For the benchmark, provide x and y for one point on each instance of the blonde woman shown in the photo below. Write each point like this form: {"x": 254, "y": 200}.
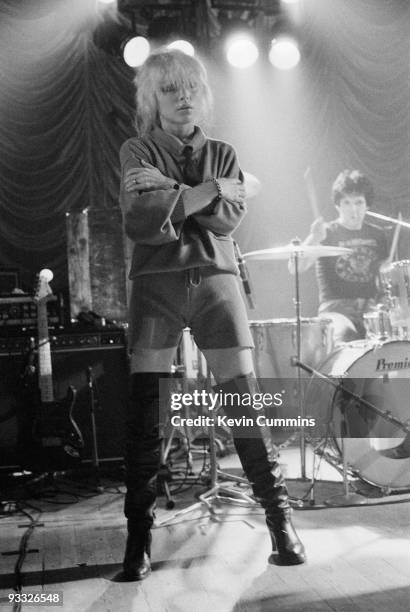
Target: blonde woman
{"x": 182, "y": 196}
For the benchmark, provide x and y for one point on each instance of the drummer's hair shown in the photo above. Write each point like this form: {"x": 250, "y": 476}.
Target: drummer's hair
{"x": 352, "y": 181}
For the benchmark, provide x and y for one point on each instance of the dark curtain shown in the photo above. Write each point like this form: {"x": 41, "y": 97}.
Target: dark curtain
{"x": 65, "y": 108}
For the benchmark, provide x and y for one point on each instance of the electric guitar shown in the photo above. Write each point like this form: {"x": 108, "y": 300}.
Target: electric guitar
{"x": 55, "y": 432}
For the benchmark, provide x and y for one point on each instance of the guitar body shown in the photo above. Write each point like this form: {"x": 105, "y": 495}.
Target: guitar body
{"x": 56, "y": 436}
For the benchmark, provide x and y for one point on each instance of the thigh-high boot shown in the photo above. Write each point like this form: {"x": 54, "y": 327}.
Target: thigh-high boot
{"x": 142, "y": 458}
{"x": 259, "y": 459}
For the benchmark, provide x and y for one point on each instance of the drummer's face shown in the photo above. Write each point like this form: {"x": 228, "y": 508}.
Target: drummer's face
{"x": 352, "y": 210}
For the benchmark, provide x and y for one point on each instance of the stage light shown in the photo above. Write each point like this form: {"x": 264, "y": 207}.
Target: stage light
{"x": 107, "y": 1}
{"x": 241, "y": 51}
{"x": 284, "y": 53}
{"x": 135, "y": 51}
{"x": 182, "y": 45}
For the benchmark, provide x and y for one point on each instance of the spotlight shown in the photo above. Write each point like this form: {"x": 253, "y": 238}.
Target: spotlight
{"x": 135, "y": 51}
{"x": 182, "y": 45}
{"x": 284, "y": 53}
{"x": 241, "y": 51}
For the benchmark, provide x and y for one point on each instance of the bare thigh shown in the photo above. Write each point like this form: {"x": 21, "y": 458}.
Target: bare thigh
{"x": 152, "y": 360}
{"x": 224, "y": 364}
{"x": 229, "y": 363}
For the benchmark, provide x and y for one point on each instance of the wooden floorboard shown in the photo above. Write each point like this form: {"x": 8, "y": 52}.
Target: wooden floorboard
{"x": 358, "y": 557}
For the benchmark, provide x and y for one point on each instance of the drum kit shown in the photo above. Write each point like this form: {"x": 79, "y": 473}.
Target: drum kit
{"x": 358, "y": 391}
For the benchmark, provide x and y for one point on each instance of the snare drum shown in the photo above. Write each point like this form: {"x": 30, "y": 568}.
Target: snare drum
{"x": 397, "y": 281}
{"x": 380, "y": 374}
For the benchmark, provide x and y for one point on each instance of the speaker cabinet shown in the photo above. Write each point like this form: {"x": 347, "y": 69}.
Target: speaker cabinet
{"x": 108, "y": 369}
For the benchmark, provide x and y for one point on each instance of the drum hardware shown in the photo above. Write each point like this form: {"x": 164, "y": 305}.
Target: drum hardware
{"x": 216, "y": 492}
{"x": 166, "y": 474}
{"x": 374, "y": 458}
{"x": 295, "y": 260}
{"x": 395, "y": 278}
{"x": 294, "y": 251}
{"x": 384, "y": 414}
{"x": 396, "y": 281}
{"x": 377, "y": 324}
{"x": 348, "y": 498}
{"x": 297, "y": 249}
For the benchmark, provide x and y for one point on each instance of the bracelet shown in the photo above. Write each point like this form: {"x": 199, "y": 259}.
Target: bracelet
{"x": 218, "y": 188}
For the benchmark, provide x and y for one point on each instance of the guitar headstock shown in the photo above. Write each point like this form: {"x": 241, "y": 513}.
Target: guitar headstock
{"x": 43, "y": 289}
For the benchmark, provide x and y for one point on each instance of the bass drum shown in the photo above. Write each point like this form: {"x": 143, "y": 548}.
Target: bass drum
{"x": 377, "y": 450}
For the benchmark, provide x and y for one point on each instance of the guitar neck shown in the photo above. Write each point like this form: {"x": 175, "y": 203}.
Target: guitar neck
{"x": 45, "y": 373}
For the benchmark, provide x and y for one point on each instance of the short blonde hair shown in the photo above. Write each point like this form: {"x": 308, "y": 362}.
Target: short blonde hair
{"x": 165, "y": 67}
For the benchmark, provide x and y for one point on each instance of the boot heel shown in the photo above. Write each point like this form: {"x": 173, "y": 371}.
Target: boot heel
{"x": 285, "y": 541}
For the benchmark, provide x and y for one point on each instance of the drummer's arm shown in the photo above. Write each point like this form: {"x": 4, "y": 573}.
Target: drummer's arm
{"x": 317, "y": 235}
{"x": 386, "y": 256}
{"x": 384, "y": 265}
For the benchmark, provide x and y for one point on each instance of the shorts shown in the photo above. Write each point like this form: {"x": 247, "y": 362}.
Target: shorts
{"x": 204, "y": 299}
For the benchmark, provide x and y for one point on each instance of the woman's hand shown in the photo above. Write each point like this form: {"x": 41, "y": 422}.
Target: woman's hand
{"x": 232, "y": 189}
{"x": 147, "y": 178}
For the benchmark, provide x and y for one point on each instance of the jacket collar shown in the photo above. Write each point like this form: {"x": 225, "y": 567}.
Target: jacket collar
{"x": 173, "y": 145}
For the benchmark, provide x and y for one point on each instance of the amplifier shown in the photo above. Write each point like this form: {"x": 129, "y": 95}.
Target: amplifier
{"x": 21, "y": 310}
{"x": 109, "y": 368}
{"x": 64, "y": 340}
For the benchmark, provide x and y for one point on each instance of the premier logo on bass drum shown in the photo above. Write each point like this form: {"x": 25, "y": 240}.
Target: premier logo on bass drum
{"x": 383, "y": 365}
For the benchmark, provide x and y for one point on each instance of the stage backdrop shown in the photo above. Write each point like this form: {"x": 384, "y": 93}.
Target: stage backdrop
{"x": 66, "y": 106}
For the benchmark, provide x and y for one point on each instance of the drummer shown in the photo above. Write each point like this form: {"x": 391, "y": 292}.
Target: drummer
{"x": 348, "y": 284}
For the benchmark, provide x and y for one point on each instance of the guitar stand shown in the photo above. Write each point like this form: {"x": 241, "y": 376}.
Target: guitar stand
{"x": 92, "y": 403}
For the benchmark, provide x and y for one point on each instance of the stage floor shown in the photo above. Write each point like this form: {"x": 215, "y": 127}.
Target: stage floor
{"x": 358, "y": 557}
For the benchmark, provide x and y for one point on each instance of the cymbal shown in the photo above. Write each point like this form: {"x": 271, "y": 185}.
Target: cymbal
{"x": 309, "y": 250}
{"x": 252, "y": 185}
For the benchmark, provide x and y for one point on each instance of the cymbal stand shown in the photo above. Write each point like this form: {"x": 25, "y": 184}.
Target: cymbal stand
{"x": 296, "y": 361}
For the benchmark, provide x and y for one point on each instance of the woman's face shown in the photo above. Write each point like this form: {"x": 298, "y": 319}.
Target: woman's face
{"x": 178, "y": 106}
